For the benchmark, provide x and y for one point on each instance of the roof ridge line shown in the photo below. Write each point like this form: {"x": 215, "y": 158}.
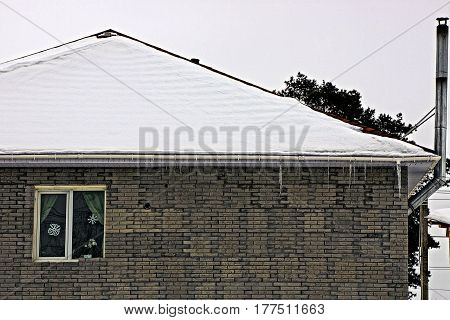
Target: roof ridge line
{"x": 55, "y": 47}
{"x": 151, "y": 46}
{"x": 190, "y": 61}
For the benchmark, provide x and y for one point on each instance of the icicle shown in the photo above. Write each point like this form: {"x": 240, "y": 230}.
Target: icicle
{"x": 355, "y": 181}
{"x": 280, "y": 177}
{"x": 399, "y": 179}
{"x": 350, "y": 175}
{"x": 328, "y": 173}
{"x": 365, "y": 171}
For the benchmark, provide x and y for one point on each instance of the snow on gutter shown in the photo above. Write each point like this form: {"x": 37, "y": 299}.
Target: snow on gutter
{"x": 87, "y": 157}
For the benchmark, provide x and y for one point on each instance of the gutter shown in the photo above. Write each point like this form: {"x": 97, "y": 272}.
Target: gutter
{"x": 112, "y": 157}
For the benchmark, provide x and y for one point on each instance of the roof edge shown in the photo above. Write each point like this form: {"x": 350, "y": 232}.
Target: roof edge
{"x": 218, "y": 156}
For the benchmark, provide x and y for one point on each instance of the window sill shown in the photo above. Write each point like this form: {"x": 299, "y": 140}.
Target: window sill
{"x": 90, "y": 259}
{"x": 81, "y": 259}
{"x": 54, "y": 260}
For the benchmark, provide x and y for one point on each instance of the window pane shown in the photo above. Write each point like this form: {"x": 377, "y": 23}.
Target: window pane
{"x": 88, "y": 216}
{"x": 52, "y": 236}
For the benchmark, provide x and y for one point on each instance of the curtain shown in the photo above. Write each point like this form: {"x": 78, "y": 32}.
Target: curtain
{"x": 47, "y": 203}
{"x": 96, "y": 203}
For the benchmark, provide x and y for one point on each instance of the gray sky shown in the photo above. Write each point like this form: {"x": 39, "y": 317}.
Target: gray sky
{"x": 263, "y": 41}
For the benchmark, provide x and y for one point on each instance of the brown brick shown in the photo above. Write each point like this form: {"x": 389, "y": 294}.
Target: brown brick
{"x": 218, "y": 233}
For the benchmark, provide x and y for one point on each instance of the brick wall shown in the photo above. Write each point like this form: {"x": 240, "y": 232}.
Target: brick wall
{"x": 218, "y": 234}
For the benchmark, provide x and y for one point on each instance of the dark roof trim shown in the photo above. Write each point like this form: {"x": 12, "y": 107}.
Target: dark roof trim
{"x": 189, "y": 60}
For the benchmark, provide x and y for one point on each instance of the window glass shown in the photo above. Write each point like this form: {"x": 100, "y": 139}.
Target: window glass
{"x": 52, "y": 236}
{"x": 88, "y": 220}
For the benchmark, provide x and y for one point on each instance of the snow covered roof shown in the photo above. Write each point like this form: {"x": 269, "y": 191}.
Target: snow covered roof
{"x": 119, "y": 95}
{"x": 440, "y": 215}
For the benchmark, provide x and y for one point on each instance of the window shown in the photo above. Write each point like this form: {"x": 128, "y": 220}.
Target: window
{"x": 69, "y": 223}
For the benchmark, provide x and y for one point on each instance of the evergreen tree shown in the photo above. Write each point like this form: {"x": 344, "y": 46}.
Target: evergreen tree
{"x": 346, "y": 105}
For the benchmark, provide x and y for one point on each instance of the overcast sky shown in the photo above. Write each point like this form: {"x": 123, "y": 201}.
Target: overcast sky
{"x": 262, "y": 41}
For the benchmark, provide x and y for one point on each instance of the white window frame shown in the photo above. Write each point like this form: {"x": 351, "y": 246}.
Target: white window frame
{"x": 68, "y": 191}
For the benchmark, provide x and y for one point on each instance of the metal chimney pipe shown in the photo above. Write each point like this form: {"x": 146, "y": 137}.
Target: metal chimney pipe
{"x": 440, "y": 136}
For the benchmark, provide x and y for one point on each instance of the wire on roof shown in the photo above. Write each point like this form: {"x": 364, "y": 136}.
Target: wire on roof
{"x": 424, "y": 119}
{"x": 440, "y": 289}
{"x": 51, "y": 48}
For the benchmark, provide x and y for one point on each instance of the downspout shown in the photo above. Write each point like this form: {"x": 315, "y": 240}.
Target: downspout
{"x": 440, "y": 134}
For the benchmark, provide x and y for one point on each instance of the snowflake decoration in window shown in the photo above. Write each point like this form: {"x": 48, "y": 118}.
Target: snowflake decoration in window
{"x": 54, "y": 229}
{"x": 93, "y": 219}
